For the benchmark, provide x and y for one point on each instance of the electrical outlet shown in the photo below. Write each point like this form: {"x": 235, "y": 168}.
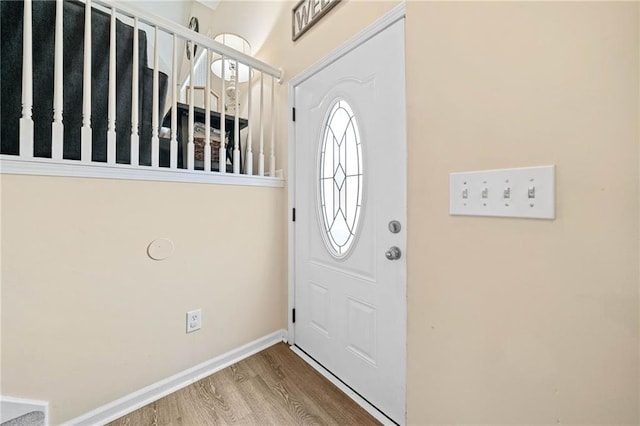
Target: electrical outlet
{"x": 194, "y": 320}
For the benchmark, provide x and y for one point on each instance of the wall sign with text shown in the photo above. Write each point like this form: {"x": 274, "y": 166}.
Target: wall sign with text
{"x": 307, "y": 13}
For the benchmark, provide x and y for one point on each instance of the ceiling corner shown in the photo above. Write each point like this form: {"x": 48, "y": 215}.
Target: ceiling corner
{"x": 211, "y": 4}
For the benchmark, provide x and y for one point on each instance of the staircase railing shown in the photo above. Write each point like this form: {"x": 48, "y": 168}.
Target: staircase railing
{"x": 267, "y": 75}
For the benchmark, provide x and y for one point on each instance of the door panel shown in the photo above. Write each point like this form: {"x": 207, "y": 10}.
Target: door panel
{"x": 351, "y": 305}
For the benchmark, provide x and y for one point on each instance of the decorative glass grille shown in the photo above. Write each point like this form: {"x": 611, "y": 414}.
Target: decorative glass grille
{"x": 340, "y": 178}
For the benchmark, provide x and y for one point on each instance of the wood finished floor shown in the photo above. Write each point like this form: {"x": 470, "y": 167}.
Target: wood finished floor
{"x": 272, "y": 387}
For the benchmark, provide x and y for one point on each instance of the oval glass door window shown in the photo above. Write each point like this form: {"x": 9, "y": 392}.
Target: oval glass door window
{"x": 340, "y": 179}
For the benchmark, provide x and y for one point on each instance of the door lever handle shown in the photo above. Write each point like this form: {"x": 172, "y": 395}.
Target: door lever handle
{"x": 393, "y": 253}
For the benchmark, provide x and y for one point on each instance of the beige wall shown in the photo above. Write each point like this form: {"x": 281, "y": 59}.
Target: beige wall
{"x": 74, "y": 257}
{"x": 524, "y": 321}
{"x": 87, "y": 317}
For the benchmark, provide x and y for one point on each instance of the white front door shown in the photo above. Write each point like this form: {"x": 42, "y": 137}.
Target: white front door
{"x": 350, "y": 203}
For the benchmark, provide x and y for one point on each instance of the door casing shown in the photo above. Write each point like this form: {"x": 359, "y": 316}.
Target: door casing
{"x": 396, "y": 14}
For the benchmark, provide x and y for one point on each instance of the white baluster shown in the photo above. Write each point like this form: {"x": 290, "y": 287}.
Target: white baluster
{"x": 85, "y": 135}
{"x": 26, "y": 120}
{"x": 190, "y": 150}
{"x": 173, "y": 150}
{"x": 222, "y": 152}
{"x": 155, "y": 119}
{"x": 272, "y": 157}
{"x": 249, "y": 160}
{"x": 236, "y": 128}
{"x": 57, "y": 128}
{"x": 261, "y": 155}
{"x": 111, "y": 116}
{"x": 207, "y": 112}
{"x": 135, "y": 137}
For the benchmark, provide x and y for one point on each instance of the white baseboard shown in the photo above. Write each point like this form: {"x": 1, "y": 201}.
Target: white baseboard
{"x": 377, "y": 414}
{"x": 10, "y": 408}
{"x": 151, "y": 393}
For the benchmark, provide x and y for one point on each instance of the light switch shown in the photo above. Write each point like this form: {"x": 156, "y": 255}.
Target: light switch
{"x": 523, "y": 192}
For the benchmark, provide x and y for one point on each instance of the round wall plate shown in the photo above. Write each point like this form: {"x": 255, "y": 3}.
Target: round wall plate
{"x": 160, "y": 249}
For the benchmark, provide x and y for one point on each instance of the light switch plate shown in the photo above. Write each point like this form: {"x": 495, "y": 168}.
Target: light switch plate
{"x": 527, "y": 192}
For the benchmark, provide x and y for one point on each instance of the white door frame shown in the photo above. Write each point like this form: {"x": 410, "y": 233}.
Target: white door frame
{"x": 396, "y": 14}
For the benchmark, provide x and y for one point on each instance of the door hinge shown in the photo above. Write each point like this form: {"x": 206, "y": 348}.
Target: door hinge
{"x": 293, "y": 315}
{"x": 294, "y": 114}
{"x": 293, "y": 214}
